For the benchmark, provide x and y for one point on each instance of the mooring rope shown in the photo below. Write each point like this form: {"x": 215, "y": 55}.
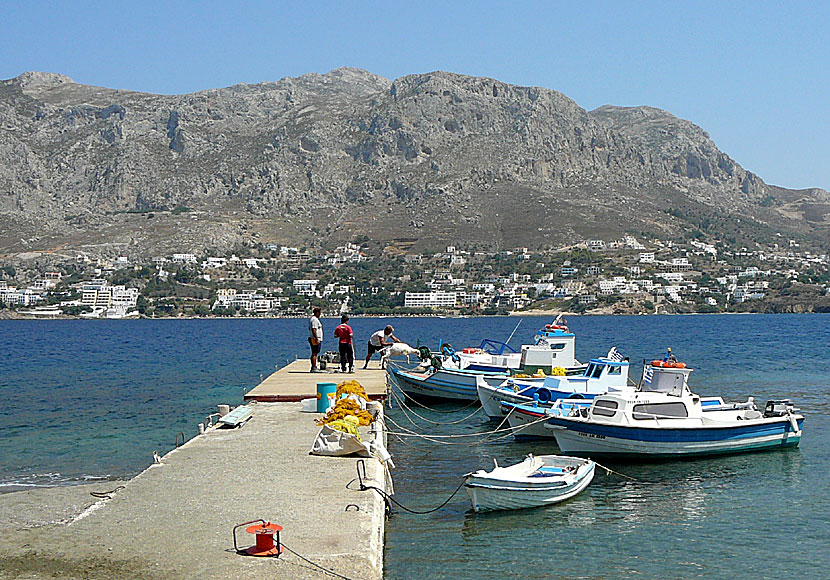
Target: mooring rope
{"x": 406, "y": 432}
{"x": 389, "y": 499}
{"x": 609, "y": 470}
{"x": 403, "y": 404}
{"x": 394, "y": 380}
{"x": 315, "y": 564}
{"x": 105, "y": 494}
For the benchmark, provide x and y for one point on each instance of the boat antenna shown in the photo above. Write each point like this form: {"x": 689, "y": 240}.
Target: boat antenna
{"x": 514, "y": 332}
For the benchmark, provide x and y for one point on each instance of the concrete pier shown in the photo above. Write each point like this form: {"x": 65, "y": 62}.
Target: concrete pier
{"x": 293, "y": 382}
{"x": 175, "y": 520}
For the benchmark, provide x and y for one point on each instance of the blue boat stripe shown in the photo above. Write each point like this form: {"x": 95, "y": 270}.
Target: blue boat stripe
{"x": 678, "y": 434}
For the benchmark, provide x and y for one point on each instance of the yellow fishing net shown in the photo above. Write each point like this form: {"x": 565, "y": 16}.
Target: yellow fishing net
{"x": 558, "y": 372}
{"x": 345, "y": 426}
{"x": 345, "y": 408}
{"x": 351, "y": 387}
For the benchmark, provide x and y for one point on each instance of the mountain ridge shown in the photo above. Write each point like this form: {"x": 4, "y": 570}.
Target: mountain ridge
{"x": 439, "y": 158}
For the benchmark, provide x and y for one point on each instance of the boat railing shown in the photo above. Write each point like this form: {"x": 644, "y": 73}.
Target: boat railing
{"x": 495, "y": 347}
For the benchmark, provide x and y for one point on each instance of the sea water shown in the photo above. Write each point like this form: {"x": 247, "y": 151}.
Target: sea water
{"x": 82, "y": 400}
{"x": 757, "y": 515}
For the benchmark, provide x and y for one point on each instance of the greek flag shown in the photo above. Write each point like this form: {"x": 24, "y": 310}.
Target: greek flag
{"x": 648, "y": 373}
{"x": 614, "y": 355}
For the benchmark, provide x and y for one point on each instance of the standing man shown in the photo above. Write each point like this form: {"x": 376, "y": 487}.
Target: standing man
{"x": 346, "y": 335}
{"x": 315, "y": 337}
{"x": 378, "y": 340}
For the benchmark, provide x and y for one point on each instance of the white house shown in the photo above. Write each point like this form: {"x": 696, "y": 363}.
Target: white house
{"x": 429, "y": 299}
{"x": 184, "y": 258}
{"x": 306, "y": 287}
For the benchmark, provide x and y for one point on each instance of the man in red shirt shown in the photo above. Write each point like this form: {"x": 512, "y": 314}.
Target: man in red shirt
{"x": 346, "y": 335}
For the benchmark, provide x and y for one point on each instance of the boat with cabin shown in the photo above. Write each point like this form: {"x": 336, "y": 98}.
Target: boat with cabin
{"x": 663, "y": 418}
{"x": 454, "y": 375}
{"x": 554, "y": 346}
{"x": 602, "y": 375}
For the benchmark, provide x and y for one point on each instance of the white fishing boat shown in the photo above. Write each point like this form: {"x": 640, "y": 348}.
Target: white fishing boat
{"x": 553, "y": 346}
{"x": 454, "y": 375}
{"x": 536, "y": 481}
{"x": 602, "y": 375}
{"x": 664, "y": 418}
{"x": 442, "y": 383}
{"x": 527, "y": 421}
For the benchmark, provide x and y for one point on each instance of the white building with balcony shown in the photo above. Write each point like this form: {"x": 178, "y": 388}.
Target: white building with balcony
{"x": 430, "y": 299}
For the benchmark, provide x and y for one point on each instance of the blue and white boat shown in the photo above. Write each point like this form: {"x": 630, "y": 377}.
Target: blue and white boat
{"x": 536, "y": 481}
{"x": 663, "y": 418}
{"x": 602, "y": 375}
{"x": 442, "y": 383}
{"x": 554, "y": 345}
{"x": 455, "y": 375}
{"x": 528, "y": 419}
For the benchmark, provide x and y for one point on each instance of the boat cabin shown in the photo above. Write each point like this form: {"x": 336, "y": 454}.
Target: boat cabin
{"x": 663, "y": 393}
{"x": 669, "y": 380}
{"x": 601, "y": 375}
{"x": 553, "y": 347}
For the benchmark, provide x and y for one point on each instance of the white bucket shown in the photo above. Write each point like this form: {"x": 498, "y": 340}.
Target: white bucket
{"x": 309, "y": 406}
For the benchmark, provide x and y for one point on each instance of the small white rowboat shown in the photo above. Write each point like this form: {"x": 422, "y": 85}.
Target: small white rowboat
{"x": 534, "y": 482}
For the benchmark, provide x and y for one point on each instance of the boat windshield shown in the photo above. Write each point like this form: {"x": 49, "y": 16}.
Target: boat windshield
{"x": 671, "y": 383}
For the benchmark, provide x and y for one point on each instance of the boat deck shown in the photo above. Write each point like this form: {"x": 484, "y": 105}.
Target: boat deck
{"x": 294, "y": 383}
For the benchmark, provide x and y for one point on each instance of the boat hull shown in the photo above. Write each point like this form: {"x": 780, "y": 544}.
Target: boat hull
{"x": 586, "y": 438}
{"x": 527, "y": 421}
{"x": 488, "y": 495}
{"x": 442, "y": 384}
{"x": 492, "y": 397}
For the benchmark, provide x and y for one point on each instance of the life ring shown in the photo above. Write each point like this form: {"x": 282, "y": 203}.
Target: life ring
{"x": 469, "y": 350}
{"x": 656, "y": 363}
{"x": 672, "y": 365}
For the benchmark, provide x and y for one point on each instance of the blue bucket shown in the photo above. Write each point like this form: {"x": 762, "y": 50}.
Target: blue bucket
{"x": 323, "y": 392}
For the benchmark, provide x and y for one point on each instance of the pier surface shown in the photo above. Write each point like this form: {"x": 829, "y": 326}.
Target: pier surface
{"x": 293, "y": 382}
{"x": 175, "y": 519}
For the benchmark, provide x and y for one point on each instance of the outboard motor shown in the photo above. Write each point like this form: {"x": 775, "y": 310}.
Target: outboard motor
{"x": 779, "y": 408}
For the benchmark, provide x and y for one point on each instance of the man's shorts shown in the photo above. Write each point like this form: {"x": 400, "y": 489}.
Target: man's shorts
{"x": 315, "y": 348}
{"x": 372, "y": 348}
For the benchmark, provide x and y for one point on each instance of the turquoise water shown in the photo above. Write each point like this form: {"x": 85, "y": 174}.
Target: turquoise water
{"x": 94, "y": 399}
{"x": 761, "y": 515}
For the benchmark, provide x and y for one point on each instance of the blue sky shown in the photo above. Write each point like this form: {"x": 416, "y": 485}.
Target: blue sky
{"x": 755, "y": 75}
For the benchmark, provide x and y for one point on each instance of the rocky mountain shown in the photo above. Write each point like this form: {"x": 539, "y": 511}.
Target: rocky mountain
{"x": 416, "y": 163}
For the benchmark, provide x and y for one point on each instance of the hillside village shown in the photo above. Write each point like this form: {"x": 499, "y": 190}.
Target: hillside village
{"x": 595, "y": 276}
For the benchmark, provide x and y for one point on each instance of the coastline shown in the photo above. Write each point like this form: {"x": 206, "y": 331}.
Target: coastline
{"x": 513, "y": 313}
{"x": 40, "y": 507}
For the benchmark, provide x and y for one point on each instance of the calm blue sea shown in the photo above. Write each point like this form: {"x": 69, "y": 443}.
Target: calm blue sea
{"x": 82, "y": 400}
